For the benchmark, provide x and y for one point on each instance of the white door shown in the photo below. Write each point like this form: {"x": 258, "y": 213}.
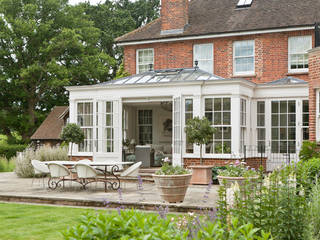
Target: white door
{"x": 177, "y": 133}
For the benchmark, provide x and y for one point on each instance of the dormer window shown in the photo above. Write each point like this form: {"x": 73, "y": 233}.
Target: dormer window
{"x": 244, "y": 3}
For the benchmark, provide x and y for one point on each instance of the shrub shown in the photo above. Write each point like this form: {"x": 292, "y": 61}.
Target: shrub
{"x": 167, "y": 169}
{"x": 23, "y": 163}
{"x": 9, "y": 151}
{"x": 308, "y": 151}
{"x": 6, "y": 165}
{"x": 72, "y": 133}
{"x": 307, "y": 172}
{"x": 215, "y": 171}
{"x": 126, "y": 225}
{"x": 314, "y": 213}
{"x": 136, "y": 225}
{"x": 274, "y": 205}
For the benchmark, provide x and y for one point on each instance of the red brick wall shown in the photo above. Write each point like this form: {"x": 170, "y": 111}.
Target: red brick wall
{"x": 314, "y": 74}
{"x": 78, "y": 158}
{"x": 174, "y": 14}
{"x": 251, "y": 162}
{"x": 271, "y": 55}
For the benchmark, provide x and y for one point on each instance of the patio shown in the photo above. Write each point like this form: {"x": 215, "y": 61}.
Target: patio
{"x": 14, "y": 189}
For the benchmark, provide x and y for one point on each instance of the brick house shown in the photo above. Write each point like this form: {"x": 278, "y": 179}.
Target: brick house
{"x": 252, "y": 67}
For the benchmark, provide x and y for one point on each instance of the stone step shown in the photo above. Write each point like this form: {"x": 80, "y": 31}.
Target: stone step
{"x": 148, "y": 170}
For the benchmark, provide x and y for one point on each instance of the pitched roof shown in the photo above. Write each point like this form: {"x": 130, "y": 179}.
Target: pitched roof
{"x": 222, "y": 16}
{"x": 287, "y": 80}
{"x": 52, "y": 125}
{"x": 165, "y": 76}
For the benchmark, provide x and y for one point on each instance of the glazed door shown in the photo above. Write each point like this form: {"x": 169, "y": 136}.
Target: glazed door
{"x": 177, "y": 132}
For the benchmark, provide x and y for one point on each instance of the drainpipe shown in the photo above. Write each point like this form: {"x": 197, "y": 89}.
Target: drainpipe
{"x": 317, "y": 34}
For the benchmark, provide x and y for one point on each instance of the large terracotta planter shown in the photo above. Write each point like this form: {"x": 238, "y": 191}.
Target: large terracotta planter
{"x": 228, "y": 181}
{"x": 172, "y": 188}
{"x": 201, "y": 174}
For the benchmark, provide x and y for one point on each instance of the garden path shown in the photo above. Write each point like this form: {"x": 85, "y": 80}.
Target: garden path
{"x": 17, "y": 189}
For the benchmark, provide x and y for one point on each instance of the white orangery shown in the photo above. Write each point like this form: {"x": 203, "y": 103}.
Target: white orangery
{"x": 142, "y": 107}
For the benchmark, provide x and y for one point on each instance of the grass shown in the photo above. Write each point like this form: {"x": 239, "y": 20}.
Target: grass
{"x": 35, "y": 222}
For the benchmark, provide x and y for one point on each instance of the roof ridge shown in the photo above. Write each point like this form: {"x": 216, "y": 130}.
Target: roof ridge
{"x": 138, "y": 29}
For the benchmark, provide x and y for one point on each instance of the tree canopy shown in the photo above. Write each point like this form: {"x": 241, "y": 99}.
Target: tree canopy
{"x": 48, "y": 44}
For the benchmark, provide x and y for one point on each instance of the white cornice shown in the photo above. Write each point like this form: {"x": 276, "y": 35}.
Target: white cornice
{"x": 219, "y": 35}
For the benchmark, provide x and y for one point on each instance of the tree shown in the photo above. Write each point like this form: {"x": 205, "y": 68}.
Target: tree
{"x": 44, "y": 46}
{"x": 72, "y": 133}
{"x": 199, "y": 131}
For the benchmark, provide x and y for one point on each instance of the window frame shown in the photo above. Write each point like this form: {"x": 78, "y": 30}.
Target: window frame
{"x": 145, "y": 125}
{"x": 234, "y": 59}
{"x": 302, "y": 70}
{"x": 137, "y": 59}
{"x": 302, "y": 125}
{"x": 185, "y": 123}
{"x": 212, "y": 57}
{"x": 261, "y": 142}
{"x": 92, "y": 127}
{"x": 222, "y": 125}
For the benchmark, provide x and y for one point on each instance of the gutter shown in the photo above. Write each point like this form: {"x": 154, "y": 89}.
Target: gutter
{"x": 217, "y": 35}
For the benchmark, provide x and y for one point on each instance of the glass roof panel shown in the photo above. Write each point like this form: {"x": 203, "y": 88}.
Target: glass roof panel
{"x": 133, "y": 79}
{"x": 144, "y": 79}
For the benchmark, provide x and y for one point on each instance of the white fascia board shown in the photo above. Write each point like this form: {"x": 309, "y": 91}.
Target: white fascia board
{"x": 218, "y": 35}
{"x": 152, "y": 85}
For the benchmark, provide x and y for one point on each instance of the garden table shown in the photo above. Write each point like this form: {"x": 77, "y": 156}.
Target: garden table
{"x": 110, "y": 169}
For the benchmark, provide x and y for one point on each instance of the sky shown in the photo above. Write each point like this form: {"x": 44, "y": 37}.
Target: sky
{"x": 92, "y": 2}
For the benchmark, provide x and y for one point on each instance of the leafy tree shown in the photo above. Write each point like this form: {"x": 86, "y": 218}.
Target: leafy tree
{"x": 199, "y": 132}
{"x": 115, "y": 18}
{"x": 44, "y": 46}
{"x": 72, "y": 133}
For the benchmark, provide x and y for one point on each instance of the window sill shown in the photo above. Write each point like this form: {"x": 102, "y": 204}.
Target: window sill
{"x": 244, "y": 75}
{"x": 297, "y": 73}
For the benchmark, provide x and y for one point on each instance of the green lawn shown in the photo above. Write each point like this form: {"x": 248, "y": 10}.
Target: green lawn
{"x": 33, "y": 222}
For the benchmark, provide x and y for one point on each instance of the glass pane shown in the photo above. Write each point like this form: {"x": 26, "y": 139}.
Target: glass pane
{"x": 80, "y": 108}
{"x": 189, "y": 105}
{"x": 226, "y": 118}
{"x": 283, "y": 119}
{"x": 109, "y": 107}
{"x": 261, "y": 134}
{"x": 275, "y": 107}
{"x": 227, "y": 147}
{"x": 108, "y": 120}
{"x": 305, "y": 118}
{"x": 283, "y": 146}
{"x": 217, "y": 104}
{"x": 261, "y": 107}
{"x": 291, "y": 120}
{"x": 292, "y": 133}
{"x": 218, "y": 134}
{"x": 217, "y": 118}
{"x": 209, "y": 147}
{"x": 291, "y": 106}
{"x": 292, "y": 147}
{"x": 226, "y": 133}
{"x": 226, "y": 104}
{"x": 283, "y": 106}
{"x": 305, "y": 107}
{"x": 283, "y": 133}
{"x": 305, "y": 133}
{"x": 260, "y": 120}
{"x": 275, "y": 146}
{"x": 208, "y": 104}
{"x": 218, "y": 148}
{"x": 275, "y": 120}
{"x": 275, "y": 133}
{"x": 209, "y": 116}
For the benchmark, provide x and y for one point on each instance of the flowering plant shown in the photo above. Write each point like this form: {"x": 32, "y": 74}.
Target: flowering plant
{"x": 237, "y": 169}
{"x": 168, "y": 169}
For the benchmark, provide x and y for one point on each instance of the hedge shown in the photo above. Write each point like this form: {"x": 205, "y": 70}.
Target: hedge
{"x": 9, "y": 151}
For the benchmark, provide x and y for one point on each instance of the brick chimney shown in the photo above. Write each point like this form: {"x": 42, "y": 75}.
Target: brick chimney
{"x": 174, "y": 16}
{"x": 314, "y": 83}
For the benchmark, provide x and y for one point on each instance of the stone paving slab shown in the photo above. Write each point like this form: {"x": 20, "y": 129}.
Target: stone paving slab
{"x": 17, "y": 189}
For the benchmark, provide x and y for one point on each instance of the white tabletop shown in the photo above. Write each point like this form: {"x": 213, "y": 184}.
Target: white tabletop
{"x": 71, "y": 163}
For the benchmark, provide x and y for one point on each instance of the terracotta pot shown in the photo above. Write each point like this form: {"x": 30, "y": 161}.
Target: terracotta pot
{"x": 228, "y": 181}
{"x": 201, "y": 174}
{"x": 172, "y": 188}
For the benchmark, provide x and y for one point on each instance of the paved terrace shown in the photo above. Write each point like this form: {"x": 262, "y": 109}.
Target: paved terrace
{"x": 14, "y": 189}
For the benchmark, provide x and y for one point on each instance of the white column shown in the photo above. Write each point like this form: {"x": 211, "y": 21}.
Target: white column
{"x": 268, "y": 122}
{"x": 235, "y": 124}
{"x": 298, "y": 123}
{"x": 72, "y": 119}
{"x": 197, "y": 112}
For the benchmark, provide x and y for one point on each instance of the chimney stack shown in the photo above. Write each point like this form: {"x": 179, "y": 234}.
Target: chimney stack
{"x": 174, "y": 16}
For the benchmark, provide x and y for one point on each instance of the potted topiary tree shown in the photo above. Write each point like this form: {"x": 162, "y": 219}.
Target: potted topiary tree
{"x": 200, "y": 132}
{"x": 72, "y": 133}
{"x": 172, "y": 182}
